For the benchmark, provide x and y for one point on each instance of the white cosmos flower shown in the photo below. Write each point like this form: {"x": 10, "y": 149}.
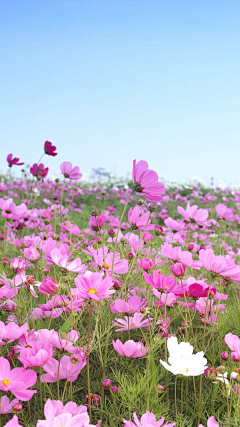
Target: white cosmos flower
{"x": 182, "y": 361}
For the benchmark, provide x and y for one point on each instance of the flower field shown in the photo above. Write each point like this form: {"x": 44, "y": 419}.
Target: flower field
{"x": 119, "y": 305}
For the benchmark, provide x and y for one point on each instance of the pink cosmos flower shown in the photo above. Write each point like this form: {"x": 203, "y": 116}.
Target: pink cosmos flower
{"x": 146, "y": 181}
{"x": 145, "y": 263}
{"x": 38, "y": 355}
{"x": 69, "y": 172}
{"x": 178, "y": 269}
{"x": 160, "y": 281}
{"x": 50, "y": 244}
{"x": 168, "y": 299}
{"x": 176, "y": 254}
{"x": 147, "y": 420}
{"x": 211, "y": 422}
{"x": 27, "y": 340}
{"x": 38, "y": 170}
{"x": 223, "y": 212}
{"x": 6, "y": 405}
{"x": 18, "y": 264}
{"x": 138, "y": 220}
{"x": 17, "y": 380}
{"x": 71, "y": 228}
{"x": 11, "y": 211}
{"x": 130, "y": 348}
{"x": 48, "y": 286}
{"x": 67, "y": 370}
{"x": 94, "y": 286}
{"x": 31, "y": 254}
{"x": 131, "y": 306}
{"x": 57, "y": 304}
{"x": 11, "y": 332}
{"x": 134, "y": 322}
{"x": 63, "y": 262}
{"x": 97, "y": 222}
{"x": 192, "y": 213}
{"x": 13, "y": 422}
{"x": 13, "y": 161}
{"x": 64, "y": 344}
{"x": 119, "y": 266}
{"x": 233, "y": 342}
{"x": 174, "y": 225}
{"x": 49, "y": 149}
{"x": 53, "y": 408}
{"x": 218, "y": 264}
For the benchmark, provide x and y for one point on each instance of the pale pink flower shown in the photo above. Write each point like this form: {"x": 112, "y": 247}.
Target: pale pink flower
{"x": 69, "y": 172}
{"x": 17, "y": 380}
{"x": 11, "y": 332}
{"x": 223, "y": 212}
{"x": 67, "y": 369}
{"x": 130, "y": 348}
{"x": 63, "y": 262}
{"x": 94, "y": 286}
{"x": 135, "y": 322}
{"x": 131, "y": 306}
{"x": 147, "y": 420}
{"x": 193, "y": 213}
{"x": 138, "y": 220}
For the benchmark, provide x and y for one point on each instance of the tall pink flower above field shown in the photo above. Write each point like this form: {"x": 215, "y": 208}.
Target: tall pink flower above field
{"x": 146, "y": 181}
{"x": 39, "y": 171}
{"x": 17, "y": 380}
{"x": 159, "y": 281}
{"x": 49, "y": 149}
{"x": 13, "y": 161}
{"x": 94, "y": 286}
{"x": 69, "y": 172}
{"x": 130, "y": 348}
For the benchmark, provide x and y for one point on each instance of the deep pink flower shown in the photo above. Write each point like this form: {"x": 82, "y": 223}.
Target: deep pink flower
{"x": 71, "y": 228}
{"x": 38, "y": 170}
{"x": 17, "y": 380}
{"x": 97, "y": 222}
{"x": 48, "y": 286}
{"x": 146, "y": 181}
{"x": 49, "y": 149}
{"x": 94, "y": 286}
{"x": 67, "y": 369}
{"x": 13, "y": 161}
{"x": 130, "y": 348}
{"x": 38, "y": 355}
{"x": 107, "y": 383}
{"x": 131, "y": 306}
{"x": 147, "y": 420}
{"x": 69, "y": 172}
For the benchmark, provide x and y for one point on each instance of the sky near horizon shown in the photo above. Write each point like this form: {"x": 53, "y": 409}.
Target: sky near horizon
{"x": 108, "y": 81}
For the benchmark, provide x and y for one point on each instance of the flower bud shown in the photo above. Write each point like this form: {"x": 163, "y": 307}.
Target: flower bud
{"x": 211, "y": 373}
{"x": 130, "y": 255}
{"x": 140, "y": 202}
{"x": 107, "y": 383}
{"x": 114, "y": 389}
{"x": 159, "y": 230}
{"x": 190, "y": 246}
{"x": 160, "y": 388}
{"x": 46, "y": 269}
{"x": 48, "y": 286}
{"x": 17, "y": 407}
{"x": 151, "y": 208}
{"x": 111, "y": 232}
{"x": 221, "y": 369}
{"x": 178, "y": 269}
{"x": 94, "y": 212}
{"x": 5, "y": 261}
{"x": 224, "y": 355}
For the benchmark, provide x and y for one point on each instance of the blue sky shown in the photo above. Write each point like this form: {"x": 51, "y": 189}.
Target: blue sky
{"x": 108, "y": 81}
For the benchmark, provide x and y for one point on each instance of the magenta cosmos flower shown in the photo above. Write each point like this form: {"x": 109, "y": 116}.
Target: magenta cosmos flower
{"x": 48, "y": 286}
{"x": 192, "y": 213}
{"x": 159, "y": 281}
{"x": 130, "y": 348}
{"x": 94, "y": 286}
{"x": 49, "y": 149}
{"x": 147, "y": 419}
{"x": 145, "y": 264}
{"x": 69, "y": 172}
{"x": 146, "y": 181}
{"x": 17, "y": 380}
{"x": 39, "y": 171}
{"x": 13, "y": 161}
{"x": 37, "y": 355}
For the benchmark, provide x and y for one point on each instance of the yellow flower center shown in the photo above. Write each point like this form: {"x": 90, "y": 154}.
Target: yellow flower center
{"x": 129, "y": 308}
{"x": 186, "y": 370}
{"x": 94, "y": 291}
{"x": 105, "y": 265}
{"x": 132, "y": 324}
{"x": 165, "y": 288}
{"x": 28, "y": 346}
{"x": 6, "y": 382}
